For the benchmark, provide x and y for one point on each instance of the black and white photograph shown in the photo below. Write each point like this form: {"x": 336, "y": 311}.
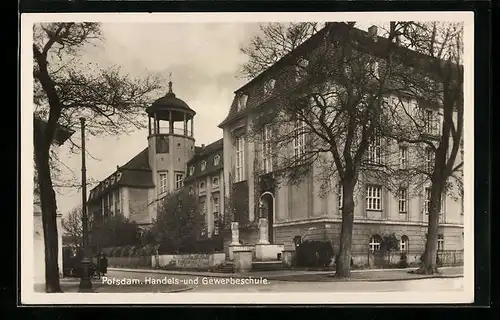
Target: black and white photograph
{"x": 247, "y": 158}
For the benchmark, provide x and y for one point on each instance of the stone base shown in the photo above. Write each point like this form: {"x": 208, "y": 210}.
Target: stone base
{"x": 268, "y": 252}
{"x": 242, "y": 260}
{"x": 287, "y": 257}
{"x": 233, "y": 247}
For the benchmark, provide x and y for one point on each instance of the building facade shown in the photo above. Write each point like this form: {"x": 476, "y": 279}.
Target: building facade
{"x": 302, "y": 210}
{"x": 234, "y": 177}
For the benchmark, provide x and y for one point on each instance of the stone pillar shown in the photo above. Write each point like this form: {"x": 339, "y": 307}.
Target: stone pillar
{"x": 242, "y": 260}
{"x": 263, "y": 231}
{"x": 235, "y": 233}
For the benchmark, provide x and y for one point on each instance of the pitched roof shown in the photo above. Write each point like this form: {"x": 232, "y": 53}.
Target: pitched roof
{"x": 136, "y": 173}
{"x": 207, "y": 154}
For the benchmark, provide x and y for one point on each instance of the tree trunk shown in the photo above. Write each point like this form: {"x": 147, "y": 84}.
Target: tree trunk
{"x": 343, "y": 263}
{"x": 429, "y": 259}
{"x": 49, "y": 216}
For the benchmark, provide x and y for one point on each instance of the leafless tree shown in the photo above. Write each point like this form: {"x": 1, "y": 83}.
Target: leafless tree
{"x": 324, "y": 112}
{"x": 427, "y": 115}
{"x": 66, "y": 89}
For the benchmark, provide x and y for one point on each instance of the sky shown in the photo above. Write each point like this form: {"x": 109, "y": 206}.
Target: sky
{"x": 204, "y": 59}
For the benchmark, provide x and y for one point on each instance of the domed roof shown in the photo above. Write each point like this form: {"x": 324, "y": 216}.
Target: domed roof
{"x": 170, "y": 104}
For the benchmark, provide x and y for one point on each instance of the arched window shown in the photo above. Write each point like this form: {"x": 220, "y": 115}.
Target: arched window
{"x": 404, "y": 244}
{"x": 374, "y": 244}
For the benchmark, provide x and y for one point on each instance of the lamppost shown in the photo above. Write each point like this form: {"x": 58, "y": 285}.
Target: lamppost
{"x": 85, "y": 282}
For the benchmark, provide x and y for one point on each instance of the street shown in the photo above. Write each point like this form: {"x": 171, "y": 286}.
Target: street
{"x": 158, "y": 282}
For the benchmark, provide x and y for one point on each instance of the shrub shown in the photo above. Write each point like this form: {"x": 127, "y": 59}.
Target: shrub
{"x": 403, "y": 262}
{"x": 314, "y": 254}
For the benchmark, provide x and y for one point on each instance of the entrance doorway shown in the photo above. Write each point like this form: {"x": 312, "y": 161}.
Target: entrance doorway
{"x": 267, "y": 211}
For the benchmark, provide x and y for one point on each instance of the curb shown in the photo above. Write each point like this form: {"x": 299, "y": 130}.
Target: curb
{"x": 369, "y": 280}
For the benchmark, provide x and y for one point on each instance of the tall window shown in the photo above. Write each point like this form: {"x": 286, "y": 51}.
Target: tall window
{"x": 429, "y": 160}
{"x": 267, "y": 160}
{"x": 242, "y": 101}
{"x": 440, "y": 242}
{"x": 215, "y": 210}
{"x": 375, "y": 243}
{"x": 118, "y": 206}
{"x": 431, "y": 122}
{"x": 240, "y": 158}
{"x": 403, "y": 244}
{"x": 179, "y": 179}
{"x": 163, "y": 182}
{"x": 373, "y": 197}
{"x": 403, "y": 200}
{"x": 374, "y": 150}
{"x": 215, "y": 182}
{"x": 403, "y": 157}
{"x": 340, "y": 195}
{"x": 427, "y": 200}
{"x": 299, "y": 141}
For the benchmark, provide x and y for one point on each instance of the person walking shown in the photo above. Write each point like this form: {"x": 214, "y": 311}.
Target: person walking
{"x": 103, "y": 264}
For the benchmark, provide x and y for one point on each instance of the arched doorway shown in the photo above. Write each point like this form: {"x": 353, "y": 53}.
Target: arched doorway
{"x": 267, "y": 211}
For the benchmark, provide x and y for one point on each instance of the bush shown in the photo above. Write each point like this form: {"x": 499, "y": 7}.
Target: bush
{"x": 403, "y": 262}
{"x": 314, "y": 254}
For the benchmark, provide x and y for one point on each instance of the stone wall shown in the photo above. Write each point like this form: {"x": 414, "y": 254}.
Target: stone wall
{"x": 130, "y": 262}
{"x": 188, "y": 261}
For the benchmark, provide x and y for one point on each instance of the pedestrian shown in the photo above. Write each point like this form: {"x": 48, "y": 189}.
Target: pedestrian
{"x": 98, "y": 266}
{"x": 103, "y": 264}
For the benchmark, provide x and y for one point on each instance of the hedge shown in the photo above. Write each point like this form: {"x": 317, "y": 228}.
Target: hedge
{"x": 313, "y": 253}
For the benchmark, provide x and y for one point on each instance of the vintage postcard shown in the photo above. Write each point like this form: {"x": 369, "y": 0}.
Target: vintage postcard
{"x": 270, "y": 158}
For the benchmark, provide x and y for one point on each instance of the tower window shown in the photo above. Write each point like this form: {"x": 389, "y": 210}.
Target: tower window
{"x": 162, "y": 183}
{"x": 179, "y": 179}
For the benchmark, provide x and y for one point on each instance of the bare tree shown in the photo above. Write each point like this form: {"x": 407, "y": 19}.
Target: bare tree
{"x": 66, "y": 89}
{"x": 73, "y": 226}
{"x": 324, "y": 115}
{"x": 427, "y": 115}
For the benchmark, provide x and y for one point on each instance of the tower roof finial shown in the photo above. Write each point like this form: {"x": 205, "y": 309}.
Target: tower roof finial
{"x": 170, "y": 83}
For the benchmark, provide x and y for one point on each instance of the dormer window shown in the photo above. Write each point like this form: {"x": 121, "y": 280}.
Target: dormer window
{"x": 269, "y": 86}
{"x": 301, "y": 69}
{"x": 203, "y": 165}
{"x": 191, "y": 170}
{"x": 215, "y": 182}
{"x": 216, "y": 160}
{"x": 202, "y": 186}
{"x": 242, "y": 101}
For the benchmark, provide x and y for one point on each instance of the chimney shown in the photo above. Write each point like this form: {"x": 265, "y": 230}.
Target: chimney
{"x": 202, "y": 146}
{"x": 372, "y": 32}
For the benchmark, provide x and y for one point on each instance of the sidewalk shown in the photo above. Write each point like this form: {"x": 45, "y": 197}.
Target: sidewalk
{"x": 70, "y": 285}
{"x": 313, "y": 276}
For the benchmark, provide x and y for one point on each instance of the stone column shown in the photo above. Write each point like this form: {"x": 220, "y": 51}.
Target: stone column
{"x": 235, "y": 233}
{"x": 263, "y": 231}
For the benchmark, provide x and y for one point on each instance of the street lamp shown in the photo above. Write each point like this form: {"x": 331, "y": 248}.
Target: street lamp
{"x": 85, "y": 282}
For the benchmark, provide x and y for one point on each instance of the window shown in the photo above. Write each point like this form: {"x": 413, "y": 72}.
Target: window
{"x": 340, "y": 195}
{"x": 403, "y": 244}
{"x": 300, "y": 69}
{"x": 202, "y": 186}
{"x": 267, "y": 159}
{"x": 118, "y": 206}
{"x": 374, "y": 150}
{"x": 203, "y": 206}
{"x": 403, "y": 157}
{"x": 299, "y": 142}
{"x": 240, "y": 158}
{"x": 431, "y": 122}
{"x": 191, "y": 170}
{"x": 427, "y": 199}
{"x": 373, "y": 198}
{"x": 215, "y": 204}
{"x": 403, "y": 200}
{"x": 440, "y": 242}
{"x": 191, "y": 190}
{"x": 179, "y": 179}
{"x": 375, "y": 243}
{"x": 162, "y": 183}
{"x": 216, "y": 215}
{"x": 215, "y": 182}
{"x": 269, "y": 86}
{"x": 242, "y": 101}
{"x": 216, "y": 160}
{"x": 429, "y": 160}
{"x": 203, "y": 165}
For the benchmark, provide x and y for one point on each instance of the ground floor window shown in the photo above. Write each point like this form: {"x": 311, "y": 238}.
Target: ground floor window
{"x": 440, "y": 242}
{"x": 375, "y": 243}
{"x": 403, "y": 245}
